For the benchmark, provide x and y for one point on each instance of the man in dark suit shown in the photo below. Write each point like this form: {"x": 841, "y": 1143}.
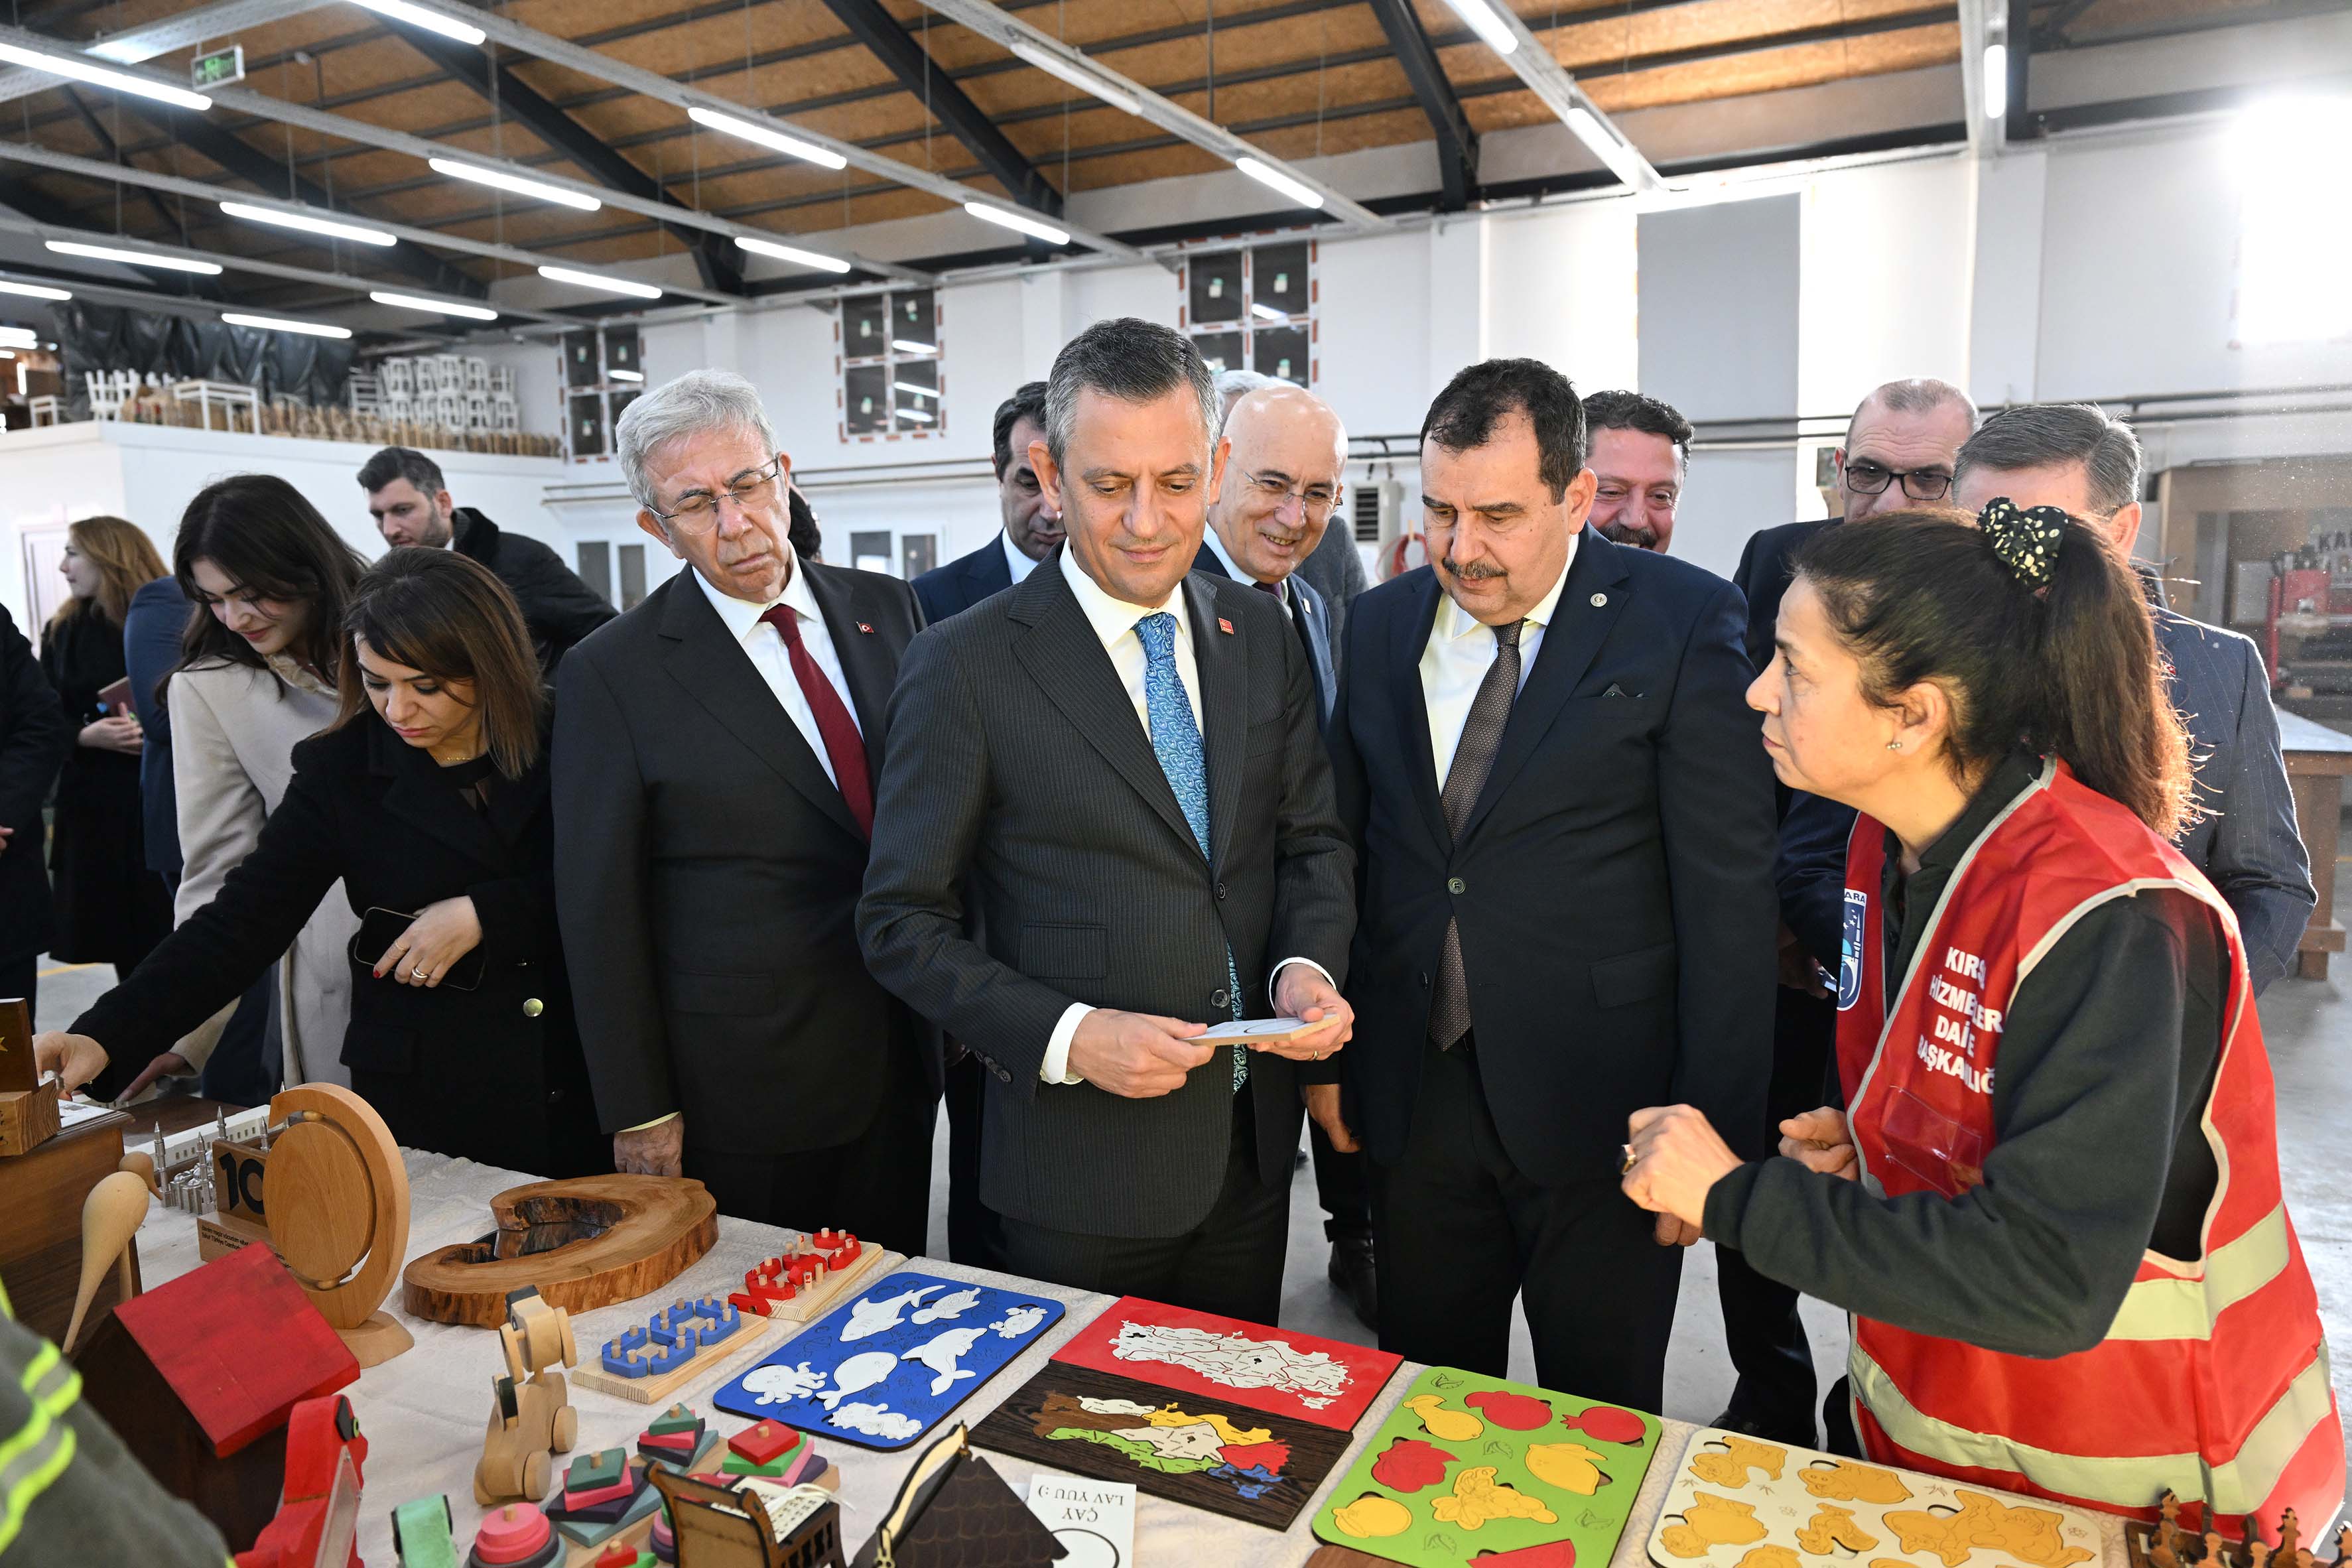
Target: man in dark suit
{"x": 1285, "y": 466}
{"x": 1899, "y": 450}
{"x": 410, "y": 505}
{"x": 34, "y": 740}
{"x": 1565, "y": 907}
{"x": 1115, "y": 767}
{"x": 2077, "y": 458}
{"x": 1334, "y": 567}
{"x": 714, "y": 755}
{"x": 1033, "y": 522}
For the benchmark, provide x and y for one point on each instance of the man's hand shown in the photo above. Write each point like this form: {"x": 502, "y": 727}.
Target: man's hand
{"x": 5, "y": 834}
{"x": 651, "y": 1150}
{"x": 75, "y": 1059}
{"x": 115, "y": 733}
{"x": 171, "y": 1064}
{"x": 1301, "y": 992}
{"x": 1677, "y": 1157}
{"x": 1820, "y": 1141}
{"x": 1323, "y": 1104}
{"x": 1135, "y": 1054}
{"x": 437, "y": 938}
{"x": 1798, "y": 970}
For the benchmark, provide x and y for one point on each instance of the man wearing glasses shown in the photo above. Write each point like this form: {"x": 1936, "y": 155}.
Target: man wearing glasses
{"x": 716, "y": 749}
{"x": 1901, "y": 449}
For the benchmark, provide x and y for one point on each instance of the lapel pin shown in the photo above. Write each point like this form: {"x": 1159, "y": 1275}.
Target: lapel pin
{"x": 866, "y": 629}
{"x": 1225, "y": 626}
{"x": 1599, "y": 600}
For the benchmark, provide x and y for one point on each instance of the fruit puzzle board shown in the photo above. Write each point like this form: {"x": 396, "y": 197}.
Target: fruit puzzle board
{"x": 1325, "y": 1383}
{"x": 1740, "y": 1502}
{"x": 1206, "y": 1453}
{"x": 886, "y": 1367}
{"x": 1471, "y": 1466}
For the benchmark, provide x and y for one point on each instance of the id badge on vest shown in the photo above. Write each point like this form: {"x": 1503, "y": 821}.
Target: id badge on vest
{"x": 1849, "y": 977}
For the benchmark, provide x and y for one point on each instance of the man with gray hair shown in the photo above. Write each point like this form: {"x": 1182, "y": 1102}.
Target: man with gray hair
{"x": 1334, "y": 567}
{"x": 1111, "y": 773}
{"x": 714, "y": 758}
{"x": 2077, "y": 458}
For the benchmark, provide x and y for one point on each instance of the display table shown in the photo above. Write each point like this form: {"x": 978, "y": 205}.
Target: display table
{"x": 424, "y": 1412}
{"x": 2317, "y": 758}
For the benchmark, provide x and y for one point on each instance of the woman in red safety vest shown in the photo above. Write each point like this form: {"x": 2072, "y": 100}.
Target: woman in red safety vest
{"x": 2050, "y": 1199}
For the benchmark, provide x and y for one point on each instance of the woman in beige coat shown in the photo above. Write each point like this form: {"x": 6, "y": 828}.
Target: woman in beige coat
{"x": 257, "y": 676}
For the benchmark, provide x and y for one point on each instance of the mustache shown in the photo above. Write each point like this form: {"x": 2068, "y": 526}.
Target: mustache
{"x": 1477, "y": 572}
{"x": 1628, "y": 534}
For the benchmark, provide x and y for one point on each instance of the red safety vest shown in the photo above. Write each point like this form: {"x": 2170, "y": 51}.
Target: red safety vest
{"x": 2213, "y": 1379}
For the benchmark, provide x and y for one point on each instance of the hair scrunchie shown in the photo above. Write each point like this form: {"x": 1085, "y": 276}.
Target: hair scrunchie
{"x": 2023, "y": 539}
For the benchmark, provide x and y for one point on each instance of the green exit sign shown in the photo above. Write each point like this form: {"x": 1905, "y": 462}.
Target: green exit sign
{"x": 219, "y": 68}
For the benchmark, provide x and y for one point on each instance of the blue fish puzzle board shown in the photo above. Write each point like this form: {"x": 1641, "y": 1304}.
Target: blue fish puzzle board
{"x": 890, "y": 1365}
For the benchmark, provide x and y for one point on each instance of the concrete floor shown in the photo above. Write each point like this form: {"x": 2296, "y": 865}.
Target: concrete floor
{"x": 2308, "y": 1026}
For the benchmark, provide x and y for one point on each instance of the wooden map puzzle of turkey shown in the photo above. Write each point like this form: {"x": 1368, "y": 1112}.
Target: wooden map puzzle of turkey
{"x": 1324, "y": 1383}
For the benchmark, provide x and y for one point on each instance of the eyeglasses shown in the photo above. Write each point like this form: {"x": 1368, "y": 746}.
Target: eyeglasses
{"x": 699, "y": 512}
{"x": 1868, "y": 478}
{"x": 1315, "y": 500}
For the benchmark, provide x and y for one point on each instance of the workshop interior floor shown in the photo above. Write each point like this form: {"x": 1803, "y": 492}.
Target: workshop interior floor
{"x": 2308, "y": 1026}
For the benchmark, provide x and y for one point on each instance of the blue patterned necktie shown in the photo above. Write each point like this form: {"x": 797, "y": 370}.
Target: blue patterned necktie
{"x": 1176, "y": 741}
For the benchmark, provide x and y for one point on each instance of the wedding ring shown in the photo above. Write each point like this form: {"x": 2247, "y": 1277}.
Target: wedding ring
{"x": 1627, "y": 1165}
{"x": 417, "y": 972}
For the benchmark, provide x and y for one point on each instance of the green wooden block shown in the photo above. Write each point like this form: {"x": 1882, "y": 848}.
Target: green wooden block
{"x": 420, "y": 1530}
{"x": 676, "y": 1418}
{"x": 603, "y": 1468}
{"x": 736, "y": 1465}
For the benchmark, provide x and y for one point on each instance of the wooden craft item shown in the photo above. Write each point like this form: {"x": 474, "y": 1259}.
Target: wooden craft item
{"x": 424, "y": 1533}
{"x": 141, "y": 1165}
{"x": 317, "y": 1511}
{"x": 111, "y": 1215}
{"x": 1325, "y": 1383}
{"x": 583, "y": 1243}
{"x": 1737, "y": 1499}
{"x": 802, "y": 1284}
{"x": 1210, "y": 1454}
{"x": 335, "y": 1198}
{"x": 41, "y": 1194}
{"x": 532, "y": 1417}
{"x": 2175, "y": 1541}
{"x": 1467, "y": 1465}
{"x": 714, "y": 1528}
{"x": 658, "y": 1343}
{"x": 28, "y": 1106}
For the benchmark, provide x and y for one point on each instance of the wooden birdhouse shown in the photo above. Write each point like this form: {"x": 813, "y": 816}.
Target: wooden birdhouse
{"x": 199, "y": 1375}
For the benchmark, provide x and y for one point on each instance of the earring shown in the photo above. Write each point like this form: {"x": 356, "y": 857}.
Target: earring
{"x": 1893, "y": 745}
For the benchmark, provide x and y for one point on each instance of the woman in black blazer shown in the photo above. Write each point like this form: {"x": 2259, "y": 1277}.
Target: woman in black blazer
{"x": 428, "y": 798}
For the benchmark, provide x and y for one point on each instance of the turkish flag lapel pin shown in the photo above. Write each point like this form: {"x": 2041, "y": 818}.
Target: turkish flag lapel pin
{"x": 1225, "y": 626}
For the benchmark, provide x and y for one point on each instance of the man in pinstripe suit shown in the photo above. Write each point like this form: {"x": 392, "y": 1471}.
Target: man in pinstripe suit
{"x": 1115, "y": 768}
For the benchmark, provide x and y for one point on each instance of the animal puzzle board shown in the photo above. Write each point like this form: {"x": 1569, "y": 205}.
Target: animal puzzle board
{"x": 1325, "y": 1383}
{"x": 883, "y": 1369}
{"x": 1738, "y": 1502}
{"x": 1470, "y": 1466}
{"x": 1213, "y": 1453}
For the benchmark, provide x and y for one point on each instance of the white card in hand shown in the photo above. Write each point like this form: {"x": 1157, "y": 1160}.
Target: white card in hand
{"x": 1094, "y": 1520}
{"x": 1255, "y": 1031}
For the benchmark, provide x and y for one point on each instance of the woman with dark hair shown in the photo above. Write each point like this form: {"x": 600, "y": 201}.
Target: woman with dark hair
{"x": 2050, "y": 1189}
{"x": 427, "y": 798}
{"x": 257, "y": 676}
{"x": 110, "y": 908}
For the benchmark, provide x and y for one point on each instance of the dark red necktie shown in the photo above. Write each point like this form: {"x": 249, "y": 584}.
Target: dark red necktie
{"x": 843, "y": 744}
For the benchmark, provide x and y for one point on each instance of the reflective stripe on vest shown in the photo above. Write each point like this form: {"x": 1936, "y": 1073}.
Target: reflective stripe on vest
{"x": 2125, "y": 1485}
{"x": 2185, "y": 1308}
{"x": 36, "y": 1453}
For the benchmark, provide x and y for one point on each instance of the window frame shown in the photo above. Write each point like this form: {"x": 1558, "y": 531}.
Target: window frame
{"x": 1247, "y": 325}
{"x": 899, "y": 426}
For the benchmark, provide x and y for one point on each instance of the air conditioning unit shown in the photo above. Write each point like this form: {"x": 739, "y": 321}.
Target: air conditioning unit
{"x": 1379, "y": 511}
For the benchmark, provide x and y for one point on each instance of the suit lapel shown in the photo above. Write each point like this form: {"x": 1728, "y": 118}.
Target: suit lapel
{"x": 1408, "y": 636}
{"x": 704, "y": 657}
{"x": 1074, "y": 670}
{"x": 1314, "y": 628}
{"x": 1223, "y": 662}
{"x": 1578, "y": 626}
{"x": 865, "y": 662}
{"x": 429, "y": 805}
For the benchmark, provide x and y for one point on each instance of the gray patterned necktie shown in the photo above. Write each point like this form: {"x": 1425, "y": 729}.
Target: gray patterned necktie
{"x": 1473, "y": 759}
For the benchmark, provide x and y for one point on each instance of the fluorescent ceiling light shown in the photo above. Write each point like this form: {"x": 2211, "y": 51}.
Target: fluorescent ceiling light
{"x": 908, "y": 346}
{"x": 792, "y": 254}
{"x": 767, "y": 136}
{"x": 627, "y": 375}
{"x": 1264, "y": 312}
{"x": 1621, "y": 159}
{"x": 307, "y": 224}
{"x": 437, "y": 306}
{"x": 1006, "y": 218}
{"x": 431, "y": 21}
{"x": 35, "y": 291}
{"x": 1077, "y": 76}
{"x": 18, "y": 337}
{"x": 1275, "y": 179}
{"x": 279, "y": 325}
{"x": 1483, "y": 21}
{"x": 133, "y": 257}
{"x": 8, "y": 354}
{"x": 1996, "y": 80}
{"x": 914, "y": 414}
{"x": 515, "y": 183}
{"x": 98, "y": 76}
{"x": 909, "y": 386}
{"x": 598, "y": 280}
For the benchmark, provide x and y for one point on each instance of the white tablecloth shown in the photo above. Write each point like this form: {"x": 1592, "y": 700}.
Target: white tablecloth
{"x": 424, "y": 1412}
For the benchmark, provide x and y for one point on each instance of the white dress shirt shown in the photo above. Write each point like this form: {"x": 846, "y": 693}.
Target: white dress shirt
{"x": 764, "y": 647}
{"x": 1114, "y": 622}
{"x": 1020, "y": 565}
{"x": 1281, "y": 594}
{"x": 1460, "y": 651}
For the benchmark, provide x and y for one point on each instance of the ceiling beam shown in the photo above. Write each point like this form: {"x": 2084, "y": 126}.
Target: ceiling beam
{"x": 717, "y": 258}
{"x": 2052, "y": 34}
{"x": 2019, "y": 125}
{"x": 112, "y": 151}
{"x": 1533, "y": 63}
{"x": 1457, "y": 143}
{"x": 924, "y": 78}
{"x": 1009, "y": 32}
{"x": 1977, "y": 31}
